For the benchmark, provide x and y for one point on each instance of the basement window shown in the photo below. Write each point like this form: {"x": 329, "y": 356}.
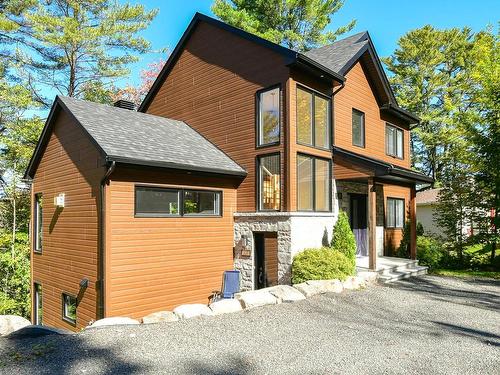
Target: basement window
{"x": 69, "y": 308}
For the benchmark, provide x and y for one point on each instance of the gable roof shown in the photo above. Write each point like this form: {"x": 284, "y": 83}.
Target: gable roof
{"x": 130, "y": 137}
{"x": 429, "y": 196}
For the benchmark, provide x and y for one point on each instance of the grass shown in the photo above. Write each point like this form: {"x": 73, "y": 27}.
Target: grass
{"x": 466, "y": 273}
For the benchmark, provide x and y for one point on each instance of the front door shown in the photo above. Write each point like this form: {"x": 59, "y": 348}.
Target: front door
{"x": 266, "y": 259}
{"x": 359, "y": 223}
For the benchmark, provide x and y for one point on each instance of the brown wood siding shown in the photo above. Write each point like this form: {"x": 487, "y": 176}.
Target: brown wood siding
{"x": 358, "y": 94}
{"x": 393, "y": 236}
{"x": 271, "y": 258}
{"x": 70, "y": 165}
{"x": 344, "y": 170}
{"x": 157, "y": 264}
{"x": 212, "y": 87}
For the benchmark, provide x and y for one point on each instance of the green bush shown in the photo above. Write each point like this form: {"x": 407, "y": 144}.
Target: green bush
{"x": 429, "y": 252}
{"x": 321, "y": 264}
{"x": 403, "y": 251}
{"x": 343, "y": 239}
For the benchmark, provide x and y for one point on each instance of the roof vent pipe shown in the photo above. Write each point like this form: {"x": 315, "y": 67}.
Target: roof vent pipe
{"x": 125, "y": 104}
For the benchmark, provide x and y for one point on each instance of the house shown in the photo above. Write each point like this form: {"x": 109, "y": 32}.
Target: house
{"x": 241, "y": 155}
{"x": 426, "y": 211}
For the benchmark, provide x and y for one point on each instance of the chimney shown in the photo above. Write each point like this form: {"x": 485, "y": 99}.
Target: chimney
{"x": 125, "y": 104}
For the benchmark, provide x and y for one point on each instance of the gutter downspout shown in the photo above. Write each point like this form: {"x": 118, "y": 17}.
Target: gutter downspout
{"x": 101, "y": 250}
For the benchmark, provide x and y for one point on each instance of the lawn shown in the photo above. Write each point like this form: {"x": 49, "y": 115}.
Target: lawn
{"x": 466, "y": 273}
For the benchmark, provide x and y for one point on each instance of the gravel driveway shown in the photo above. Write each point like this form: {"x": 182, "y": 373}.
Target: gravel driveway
{"x": 428, "y": 325}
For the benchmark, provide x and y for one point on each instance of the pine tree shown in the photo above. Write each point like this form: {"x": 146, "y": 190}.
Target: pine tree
{"x": 343, "y": 239}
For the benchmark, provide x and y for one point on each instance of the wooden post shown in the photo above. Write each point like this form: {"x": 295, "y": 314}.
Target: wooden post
{"x": 372, "y": 224}
{"x": 413, "y": 223}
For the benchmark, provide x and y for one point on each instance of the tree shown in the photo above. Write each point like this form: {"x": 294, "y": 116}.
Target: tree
{"x": 343, "y": 239}
{"x": 296, "y": 24}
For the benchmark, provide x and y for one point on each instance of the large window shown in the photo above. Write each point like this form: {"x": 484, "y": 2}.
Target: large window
{"x": 164, "y": 202}
{"x": 358, "y": 128}
{"x": 268, "y": 103}
{"x": 37, "y": 303}
{"x": 395, "y": 213}
{"x": 269, "y": 182}
{"x": 37, "y": 231}
{"x": 313, "y": 119}
{"x": 313, "y": 183}
{"x": 69, "y": 304}
{"x": 394, "y": 141}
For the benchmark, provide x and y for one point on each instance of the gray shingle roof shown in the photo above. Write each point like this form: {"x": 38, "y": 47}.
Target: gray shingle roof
{"x": 338, "y": 56}
{"x": 140, "y": 138}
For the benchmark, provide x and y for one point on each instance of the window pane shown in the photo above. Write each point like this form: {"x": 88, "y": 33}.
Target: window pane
{"x": 38, "y": 304}
{"x": 269, "y": 174}
{"x": 358, "y": 128}
{"x": 400, "y": 213}
{"x": 304, "y": 116}
{"x": 304, "y": 183}
{"x": 390, "y": 213}
{"x": 322, "y": 131}
{"x": 269, "y": 116}
{"x": 69, "y": 307}
{"x": 399, "y": 143}
{"x": 38, "y": 222}
{"x": 389, "y": 140}
{"x": 322, "y": 185}
{"x": 153, "y": 201}
{"x": 201, "y": 203}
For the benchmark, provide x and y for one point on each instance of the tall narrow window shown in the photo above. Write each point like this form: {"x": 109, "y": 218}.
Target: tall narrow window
{"x": 394, "y": 141}
{"x": 313, "y": 183}
{"x": 37, "y": 230}
{"x": 269, "y": 182}
{"x": 395, "y": 213}
{"x": 37, "y": 304}
{"x": 69, "y": 308}
{"x": 269, "y": 116}
{"x": 313, "y": 119}
{"x": 358, "y": 128}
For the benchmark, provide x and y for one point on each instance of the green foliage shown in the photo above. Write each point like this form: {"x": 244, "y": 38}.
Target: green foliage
{"x": 299, "y": 25}
{"x": 321, "y": 264}
{"x": 14, "y": 275}
{"x": 403, "y": 250}
{"x": 429, "y": 252}
{"x": 343, "y": 239}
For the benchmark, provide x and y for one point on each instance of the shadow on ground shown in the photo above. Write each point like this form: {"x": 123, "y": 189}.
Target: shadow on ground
{"x": 238, "y": 366}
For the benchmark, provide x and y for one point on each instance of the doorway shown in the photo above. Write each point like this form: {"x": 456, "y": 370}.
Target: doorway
{"x": 266, "y": 259}
{"x": 359, "y": 222}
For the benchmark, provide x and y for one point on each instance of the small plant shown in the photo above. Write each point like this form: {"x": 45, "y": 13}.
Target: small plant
{"x": 429, "y": 252}
{"x": 321, "y": 264}
{"x": 343, "y": 239}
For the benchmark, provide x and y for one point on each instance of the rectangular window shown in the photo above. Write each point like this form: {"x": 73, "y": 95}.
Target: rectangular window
{"x": 313, "y": 119}
{"x": 37, "y": 227}
{"x": 269, "y": 182}
{"x": 165, "y": 202}
{"x": 69, "y": 308}
{"x": 394, "y": 141}
{"x": 395, "y": 213}
{"x": 313, "y": 183}
{"x": 269, "y": 116}
{"x": 358, "y": 128}
{"x": 37, "y": 304}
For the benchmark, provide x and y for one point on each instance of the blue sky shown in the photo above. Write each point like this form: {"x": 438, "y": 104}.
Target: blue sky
{"x": 386, "y": 20}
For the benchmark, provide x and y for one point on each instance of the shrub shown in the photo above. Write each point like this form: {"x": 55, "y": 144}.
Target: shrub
{"x": 429, "y": 252}
{"x": 321, "y": 264}
{"x": 403, "y": 250}
{"x": 343, "y": 239}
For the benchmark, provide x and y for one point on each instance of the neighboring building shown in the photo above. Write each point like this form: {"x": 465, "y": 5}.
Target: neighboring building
{"x": 426, "y": 208}
{"x": 240, "y": 156}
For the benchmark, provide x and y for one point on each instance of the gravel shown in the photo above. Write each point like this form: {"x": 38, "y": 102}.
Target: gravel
{"x": 425, "y": 325}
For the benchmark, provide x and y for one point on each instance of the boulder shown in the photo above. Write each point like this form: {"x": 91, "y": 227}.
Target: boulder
{"x": 256, "y": 298}
{"x": 160, "y": 317}
{"x": 113, "y": 321}
{"x": 306, "y": 289}
{"x": 225, "y": 306}
{"x": 351, "y": 283}
{"x": 192, "y": 310}
{"x": 369, "y": 277}
{"x": 336, "y": 286}
{"x": 11, "y": 323}
{"x": 286, "y": 293}
{"x": 323, "y": 286}
{"x": 37, "y": 331}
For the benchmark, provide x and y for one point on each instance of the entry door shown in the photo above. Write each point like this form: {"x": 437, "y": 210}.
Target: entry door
{"x": 266, "y": 259}
{"x": 359, "y": 223}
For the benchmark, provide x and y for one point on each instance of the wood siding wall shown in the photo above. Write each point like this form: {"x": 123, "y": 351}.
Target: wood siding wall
{"x": 70, "y": 165}
{"x": 155, "y": 264}
{"x": 213, "y": 86}
{"x": 271, "y": 257}
{"x": 358, "y": 94}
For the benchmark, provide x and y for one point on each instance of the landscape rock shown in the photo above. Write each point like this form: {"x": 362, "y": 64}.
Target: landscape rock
{"x": 306, "y": 289}
{"x": 256, "y": 298}
{"x": 286, "y": 293}
{"x": 225, "y": 306}
{"x": 33, "y": 331}
{"x": 192, "y": 310}
{"x": 160, "y": 317}
{"x": 323, "y": 286}
{"x": 336, "y": 286}
{"x": 11, "y": 323}
{"x": 113, "y": 321}
{"x": 351, "y": 283}
{"x": 368, "y": 276}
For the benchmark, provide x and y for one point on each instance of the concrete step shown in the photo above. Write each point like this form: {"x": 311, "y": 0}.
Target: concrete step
{"x": 401, "y": 273}
{"x": 410, "y": 265}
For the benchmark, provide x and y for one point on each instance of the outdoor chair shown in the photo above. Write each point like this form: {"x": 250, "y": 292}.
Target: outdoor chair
{"x": 230, "y": 286}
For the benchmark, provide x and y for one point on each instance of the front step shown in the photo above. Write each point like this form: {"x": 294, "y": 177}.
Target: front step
{"x": 389, "y": 277}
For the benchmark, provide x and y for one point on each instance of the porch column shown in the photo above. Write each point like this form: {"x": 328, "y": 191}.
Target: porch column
{"x": 413, "y": 223}
{"x": 372, "y": 224}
